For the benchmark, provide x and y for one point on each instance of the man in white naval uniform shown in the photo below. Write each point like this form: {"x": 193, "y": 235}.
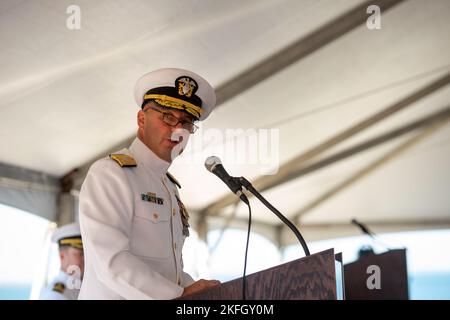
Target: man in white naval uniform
{"x": 132, "y": 219}
{"x": 65, "y": 286}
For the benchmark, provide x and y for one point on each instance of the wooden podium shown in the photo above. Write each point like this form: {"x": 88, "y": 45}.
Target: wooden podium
{"x": 393, "y": 276}
{"x": 318, "y": 276}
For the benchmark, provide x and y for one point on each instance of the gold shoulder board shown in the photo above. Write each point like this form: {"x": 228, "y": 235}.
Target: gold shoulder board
{"x": 123, "y": 160}
{"x": 59, "y": 287}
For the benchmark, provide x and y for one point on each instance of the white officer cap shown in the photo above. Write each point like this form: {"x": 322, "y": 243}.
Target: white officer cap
{"x": 178, "y": 89}
{"x": 68, "y": 235}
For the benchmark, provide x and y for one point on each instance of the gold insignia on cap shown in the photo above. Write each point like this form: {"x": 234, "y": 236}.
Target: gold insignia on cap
{"x": 59, "y": 287}
{"x": 123, "y": 160}
{"x": 186, "y": 86}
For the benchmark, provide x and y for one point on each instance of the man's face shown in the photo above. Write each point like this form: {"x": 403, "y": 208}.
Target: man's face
{"x": 72, "y": 257}
{"x": 155, "y": 133}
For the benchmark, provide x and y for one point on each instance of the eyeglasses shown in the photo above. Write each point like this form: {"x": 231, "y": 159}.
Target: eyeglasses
{"x": 173, "y": 121}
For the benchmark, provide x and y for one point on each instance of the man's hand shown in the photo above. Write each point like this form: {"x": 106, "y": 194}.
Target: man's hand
{"x": 200, "y": 285}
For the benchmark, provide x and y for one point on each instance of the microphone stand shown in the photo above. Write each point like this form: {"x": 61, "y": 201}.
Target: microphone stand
{"x": 247, "y": 185}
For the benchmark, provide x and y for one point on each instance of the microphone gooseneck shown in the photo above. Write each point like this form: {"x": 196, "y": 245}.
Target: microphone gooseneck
{"x": 214, "y": 165}
{"x": 247, "y": 185}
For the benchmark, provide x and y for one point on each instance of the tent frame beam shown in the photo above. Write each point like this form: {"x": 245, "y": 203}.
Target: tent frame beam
{"x": 391, "y": 155}
{"x": 289, "y": 170}
{"x": 299, "y": 49}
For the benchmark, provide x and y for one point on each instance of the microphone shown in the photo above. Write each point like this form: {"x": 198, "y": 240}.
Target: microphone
{"x": 363, "y": 228}
{"x": 366, "y": 231}
{"x": 214, "y": 165}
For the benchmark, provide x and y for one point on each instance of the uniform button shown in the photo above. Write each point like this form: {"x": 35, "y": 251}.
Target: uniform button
{"x": 173, "y": 211}
{"x": 179, "y": 281}
{"x": 155, "y": 216}
{"x": 174, "y": 246}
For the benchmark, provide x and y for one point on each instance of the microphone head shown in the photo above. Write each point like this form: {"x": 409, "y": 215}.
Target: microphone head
{"x": 212, "y": 162}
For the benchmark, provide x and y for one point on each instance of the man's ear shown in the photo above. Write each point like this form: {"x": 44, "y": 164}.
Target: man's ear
{"x": 61, "y": 254}
{"x": 140, "y": 119}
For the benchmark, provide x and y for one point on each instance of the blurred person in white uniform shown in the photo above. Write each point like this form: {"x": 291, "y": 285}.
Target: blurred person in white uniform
{"x": 133, "y": 221}
{"x": 66, "y": 285}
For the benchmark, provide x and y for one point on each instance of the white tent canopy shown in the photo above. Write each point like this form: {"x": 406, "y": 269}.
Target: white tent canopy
{"x": 66, "y": 98}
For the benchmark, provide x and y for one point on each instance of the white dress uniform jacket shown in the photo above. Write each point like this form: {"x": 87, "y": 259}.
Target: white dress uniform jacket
{"x": 132, "y": 245}
{"x": 58, "y": 289}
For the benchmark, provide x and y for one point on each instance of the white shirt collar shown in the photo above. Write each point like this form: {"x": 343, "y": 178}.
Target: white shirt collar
{"x": 147, "y": 158}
